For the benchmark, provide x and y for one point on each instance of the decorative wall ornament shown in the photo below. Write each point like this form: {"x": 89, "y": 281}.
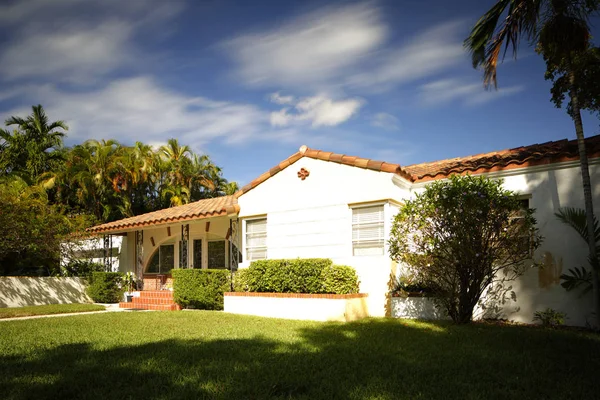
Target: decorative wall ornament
{"x": 303, "y": 173}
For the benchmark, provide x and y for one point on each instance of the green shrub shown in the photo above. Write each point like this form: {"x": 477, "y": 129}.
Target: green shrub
{"x": 200, "y": 288}
{"x": 286, "y": 276}
{"x": 339, "y": 279}
{"x": 105, "y": 287}
{"x": 309, "y": 275}
{"x": 549, "y": 317}
{"x": 82, "y": 268}
{"x": 239, "y": 280}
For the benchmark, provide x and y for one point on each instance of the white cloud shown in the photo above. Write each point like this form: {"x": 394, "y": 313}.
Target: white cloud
{"x": 385, "y": 121}
{"x": 75, "y": 55}
{"x": 279, "y": 99}
{"x": 84, "y": 42}
{"x": 313, "y": 48}
{"x": 453, "y": 90}
{"x": 434, "y": 51}
{"x": 319, "y": 110}
{"x": 140, "y": 109}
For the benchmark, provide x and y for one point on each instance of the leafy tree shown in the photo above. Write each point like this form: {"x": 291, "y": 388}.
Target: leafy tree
{"x": 460, "y": 236}
{"x": 32, "y": 229}
{"x": 560, "y": 32}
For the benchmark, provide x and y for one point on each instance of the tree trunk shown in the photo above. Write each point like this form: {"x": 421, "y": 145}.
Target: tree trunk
{"x": 587, "y": 194}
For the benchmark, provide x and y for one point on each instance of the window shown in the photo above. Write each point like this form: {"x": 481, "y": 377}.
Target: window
{"x": 367, "y": 231}
{"x": 197, "y": 256}
{"x": 525, "y": 244}
{"x": 256, "y": 239}
{"x": 163, "y": 260}
{"x": 216, "y": 254}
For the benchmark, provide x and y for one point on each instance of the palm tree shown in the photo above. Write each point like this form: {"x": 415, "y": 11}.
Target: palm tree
{"x": 177, "y": 157}
{"x": 34, "y": 147}
{"x": 559, "y": 30}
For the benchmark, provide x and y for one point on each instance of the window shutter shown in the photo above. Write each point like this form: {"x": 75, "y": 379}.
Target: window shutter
{"x": 256, "y": 239}
{"x": 368, "y": 235}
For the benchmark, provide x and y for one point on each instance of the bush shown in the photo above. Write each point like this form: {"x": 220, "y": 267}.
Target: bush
{"x": 310, "y": 275}
{"x": 462, "y": 235}
{"x": 239, "y": 280}
{"x": 105, "y": 287}
{"x": 339, "y": 279}
{"x": 200, "y": 288}
{"x": 406, "y": 285}
{"x": 549, "y": 317}
{"x": 82, "y": 268}
{"x": 286, "y": 276}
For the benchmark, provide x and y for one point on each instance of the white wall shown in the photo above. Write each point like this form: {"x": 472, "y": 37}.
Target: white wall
{"x": 312, "y": 218}
{"x": 35, "y": 291}
{"x": 311, "y": 308}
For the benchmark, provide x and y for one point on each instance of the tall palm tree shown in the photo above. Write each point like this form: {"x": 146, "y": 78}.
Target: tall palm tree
{"x": 560, "y": 31}
{"x": 35, "y": 145}
{"x": 177, "y": 157}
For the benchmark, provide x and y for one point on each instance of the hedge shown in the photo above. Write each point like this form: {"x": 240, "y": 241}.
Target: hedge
{"x": 200, "y": 288}
{"x": 105, "y": 287}
{"x": 339, "y": 279}
{"x": 309, "y": 275}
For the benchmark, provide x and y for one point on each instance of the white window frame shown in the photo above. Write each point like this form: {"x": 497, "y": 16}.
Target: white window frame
{"x": 247, "y": 248}
{"x": 378, "y": 244}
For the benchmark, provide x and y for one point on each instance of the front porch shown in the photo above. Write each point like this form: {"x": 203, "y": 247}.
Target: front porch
{"x": 204, "y": 235}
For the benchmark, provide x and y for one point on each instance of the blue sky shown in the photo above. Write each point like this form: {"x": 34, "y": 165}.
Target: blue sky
{"x": 250, "y": 82}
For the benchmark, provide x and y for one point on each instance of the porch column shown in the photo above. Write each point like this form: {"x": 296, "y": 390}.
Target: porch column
{"x": 185, "y": 240}
{"x": 107, "y": 252}
{"x": 139, "y": 255}
{"x": 234, "y": 247}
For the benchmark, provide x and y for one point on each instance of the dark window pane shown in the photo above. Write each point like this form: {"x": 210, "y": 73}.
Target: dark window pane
{"x": 153, "y": 265}
{"x": 167, "y": 258}
{"x": 216, "y": 254}
{"x": 197, "y": 253}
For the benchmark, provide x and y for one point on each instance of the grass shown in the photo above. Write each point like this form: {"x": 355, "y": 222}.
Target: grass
{"x": 203, "y": 354}
{"x": 48, "y": 309}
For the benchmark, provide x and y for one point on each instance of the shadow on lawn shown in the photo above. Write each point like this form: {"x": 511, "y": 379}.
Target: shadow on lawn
{"x": 373, "y": 359}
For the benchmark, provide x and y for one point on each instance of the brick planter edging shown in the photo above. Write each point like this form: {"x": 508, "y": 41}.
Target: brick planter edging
{"x": 298, "y": 295}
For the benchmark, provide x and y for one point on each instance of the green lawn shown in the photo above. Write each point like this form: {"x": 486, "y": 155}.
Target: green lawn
{"x": 190, "y": 355}
{"x": 48, "y": 309}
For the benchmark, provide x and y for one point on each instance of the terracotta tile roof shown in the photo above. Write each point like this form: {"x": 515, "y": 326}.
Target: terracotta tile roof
{"x": 206, "y": 208}
{"x": 519, "y": 157}
{"x": 304, "y": 151}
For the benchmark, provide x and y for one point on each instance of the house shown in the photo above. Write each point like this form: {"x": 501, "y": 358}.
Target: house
{"x": 322, "y": 204}
{"x": 106, "y": 250}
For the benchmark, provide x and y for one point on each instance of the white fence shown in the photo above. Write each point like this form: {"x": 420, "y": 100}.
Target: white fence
{"x": 34, "y": 291}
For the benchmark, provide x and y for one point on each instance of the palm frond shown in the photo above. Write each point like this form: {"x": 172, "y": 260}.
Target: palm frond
{"x": 576, "y": 218}
{"x": 576, "y": 278}
{"x": 489, "y": 35}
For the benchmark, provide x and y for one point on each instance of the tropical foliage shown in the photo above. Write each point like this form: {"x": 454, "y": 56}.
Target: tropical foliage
{"x": 49, "y": 190}
{"x": 461, "y": 236}
{"x": 560, "y": 32}
{"x": 579, "y": 277}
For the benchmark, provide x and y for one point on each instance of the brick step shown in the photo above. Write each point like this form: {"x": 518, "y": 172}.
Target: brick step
{"x": 156, "y": 294}
{"x": 141, "y": 300}
{"x": 146, "y": 306}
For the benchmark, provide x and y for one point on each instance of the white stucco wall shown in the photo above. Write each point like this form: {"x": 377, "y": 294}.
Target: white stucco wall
{"x": 307, "y": 307}
{"x": 312, "y": 218}
{"x": 20, "y": 291}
